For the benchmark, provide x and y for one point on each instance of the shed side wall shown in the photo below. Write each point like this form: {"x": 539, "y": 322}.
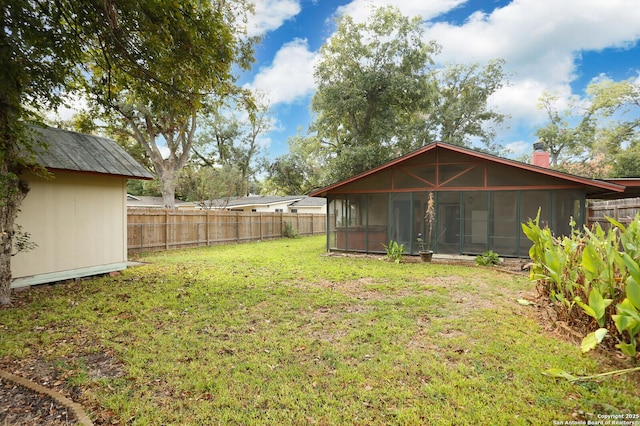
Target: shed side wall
{"x": 78, "y": 222}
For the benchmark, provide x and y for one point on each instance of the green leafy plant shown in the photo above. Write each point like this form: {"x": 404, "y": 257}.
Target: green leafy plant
{"x": 488, "y": 258}
{"x": 22, "y": 241}
{"x": 596, "y": 307}
{"x": 627, "y": 318}
{"x": 588, "y": 270}
{"x": 559, "y": 373}
{"x": 394, "y": 250}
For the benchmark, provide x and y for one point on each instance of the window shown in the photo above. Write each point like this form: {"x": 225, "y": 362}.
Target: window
{"x": 279, "y": 211}
{"x": 294, "y": 210}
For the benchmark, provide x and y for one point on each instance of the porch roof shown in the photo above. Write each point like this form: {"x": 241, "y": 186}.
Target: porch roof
{"x": 594, "y": 188}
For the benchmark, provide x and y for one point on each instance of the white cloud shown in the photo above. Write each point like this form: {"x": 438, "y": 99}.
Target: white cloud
{"x": 359, "y": 10}
{"x": 539, "y": 38}
{"x": 519, "y": 148}
{"x": 271, "y": 14}
{"x": 541, "y": 41}
{"x": 520, "y": 100}
{"x": 72, "y": 105}
{"x": 289, "y": 78}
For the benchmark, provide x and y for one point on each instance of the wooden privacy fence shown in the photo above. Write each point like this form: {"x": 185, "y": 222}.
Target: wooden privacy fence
{"x": 623, "y": 210}
{"x": 162, "y": 229}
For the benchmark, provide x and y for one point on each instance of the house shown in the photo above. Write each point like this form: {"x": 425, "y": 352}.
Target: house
{"x": 480, "y": 202}
{"x": 78, "y": 217}
{"x": 285, "y": 204}
{"x": 149, "y": 202}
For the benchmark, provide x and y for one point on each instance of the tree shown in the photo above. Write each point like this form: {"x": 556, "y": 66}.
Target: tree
{"x": 371, "y": 78}
{"x": 599, "y": 139}
{"x": 617, "y": 106}
{"x": 38, "y": 56}
{"x": 378, "y": 96}
{"x": 201, "y": 184}
{"x": 460, "y": 111}
{"x": 297, "y": 172}
{"x": 231, "y": 145}
{"x": 558, "y": 135}
{"x": 155, "y": 64}
{"x": 160, "y": 67}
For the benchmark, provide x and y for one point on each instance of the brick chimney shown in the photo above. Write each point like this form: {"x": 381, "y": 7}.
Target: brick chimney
{"x": 540, "y": 157}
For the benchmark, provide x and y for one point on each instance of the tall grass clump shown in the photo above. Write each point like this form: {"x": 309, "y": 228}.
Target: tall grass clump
{"x": 592, "y": 278}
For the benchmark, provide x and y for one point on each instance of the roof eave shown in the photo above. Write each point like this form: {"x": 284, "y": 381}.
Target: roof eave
{"x": 602, "y": 185}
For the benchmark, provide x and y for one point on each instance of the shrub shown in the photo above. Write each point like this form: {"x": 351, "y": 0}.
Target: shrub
{"x": 591, "y": 283}
{"x": 289, "y": 231}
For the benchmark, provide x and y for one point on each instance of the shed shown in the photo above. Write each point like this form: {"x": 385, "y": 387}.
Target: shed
{"x": 481, "y": 200}
{"x": 78, "y": 217}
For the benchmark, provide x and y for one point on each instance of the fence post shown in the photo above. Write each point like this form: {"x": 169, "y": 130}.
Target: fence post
{"x": 206, "y": 218}
{"x": 166, "y": 229}
{"x": 237, "y": 227}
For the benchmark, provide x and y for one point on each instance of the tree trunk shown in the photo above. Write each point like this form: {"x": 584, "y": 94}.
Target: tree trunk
{"x": 13, "y": 189}
{"x": 168, "y": 188}
{"x": 5, "y": 271}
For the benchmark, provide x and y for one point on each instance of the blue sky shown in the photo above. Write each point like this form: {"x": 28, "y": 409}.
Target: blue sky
{"x": 558, "y": 46}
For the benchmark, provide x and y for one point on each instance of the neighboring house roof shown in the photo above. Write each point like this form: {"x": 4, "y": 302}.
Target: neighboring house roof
{"x": 310, "y": 202}
{"x": 67, "y": 150}
{"x": 253, "y": 200}
{"x": 145, "y": 201}
{"x": 595, "y": 188}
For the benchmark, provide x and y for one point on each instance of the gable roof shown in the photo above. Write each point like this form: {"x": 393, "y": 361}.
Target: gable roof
{"x": 147, "y": 201}
{"x": 67, "y": 150}
{"x": 594, "y": 187}
{"x": 252, "y": 200}
{"x": 310, "y": 202}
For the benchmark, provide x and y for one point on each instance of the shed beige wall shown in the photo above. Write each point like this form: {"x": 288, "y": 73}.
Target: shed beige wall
{"x": 79, "y": 223}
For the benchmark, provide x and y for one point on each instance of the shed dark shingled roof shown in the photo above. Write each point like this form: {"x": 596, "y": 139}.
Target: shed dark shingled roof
{"x": 85, "y": 153}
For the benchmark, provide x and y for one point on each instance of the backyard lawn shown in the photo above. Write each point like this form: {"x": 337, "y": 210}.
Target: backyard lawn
{"x": 279, "y": 332}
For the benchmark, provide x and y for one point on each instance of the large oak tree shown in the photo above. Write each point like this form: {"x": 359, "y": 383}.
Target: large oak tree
{"x": 380, "y": 95}
{"x": 170, "y": 63}
{"x": 371, "y": 77}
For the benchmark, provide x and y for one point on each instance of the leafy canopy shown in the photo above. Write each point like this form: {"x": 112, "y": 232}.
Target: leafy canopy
{"x": 380, "y": 96}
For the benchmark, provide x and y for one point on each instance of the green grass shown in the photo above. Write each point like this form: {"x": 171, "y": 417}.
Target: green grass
{"x": 280, "y": 333}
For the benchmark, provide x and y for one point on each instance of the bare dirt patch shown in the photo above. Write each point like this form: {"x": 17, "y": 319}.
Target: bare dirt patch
{"x": 23, "y": 406}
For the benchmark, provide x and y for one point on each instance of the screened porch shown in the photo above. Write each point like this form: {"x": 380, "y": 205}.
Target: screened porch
{"x": 466, "y": 222}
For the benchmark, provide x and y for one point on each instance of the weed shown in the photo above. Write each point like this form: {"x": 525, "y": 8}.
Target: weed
{"x": 488, "y": 258}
